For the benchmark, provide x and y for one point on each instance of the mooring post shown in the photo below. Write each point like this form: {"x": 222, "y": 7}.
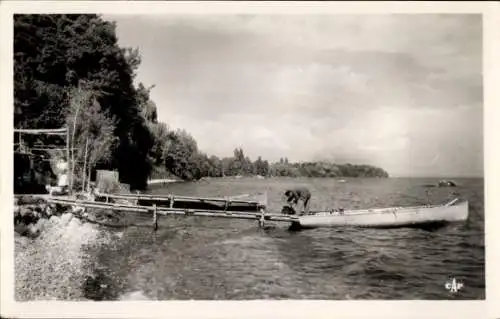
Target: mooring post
{"x": 155, "y": 217}
{"x": 261, "y": 219}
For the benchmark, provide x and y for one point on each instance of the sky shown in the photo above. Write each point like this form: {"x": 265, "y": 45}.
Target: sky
{"x": 402, "y": 92}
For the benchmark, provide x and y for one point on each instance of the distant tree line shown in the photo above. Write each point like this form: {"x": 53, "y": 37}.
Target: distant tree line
{"x": 182, "y": 158}
{"x": 70, "y": 71}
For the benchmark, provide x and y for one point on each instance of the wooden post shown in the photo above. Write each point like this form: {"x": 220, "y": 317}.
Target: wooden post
{"x": 155, "y": 218}
{"x": 261, "y": 219}
{"x": 171, "y": 201}
{"x": 70, "y": 164}
{"x": 21, "y": 147}
{"x": 89, "y": 175}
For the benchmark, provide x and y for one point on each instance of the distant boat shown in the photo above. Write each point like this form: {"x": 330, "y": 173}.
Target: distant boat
{"x": 341, "y": 181}
{"x": 447, "y": 183}
{"x": 387, "y": 217}
{"x": 442, "y": 183}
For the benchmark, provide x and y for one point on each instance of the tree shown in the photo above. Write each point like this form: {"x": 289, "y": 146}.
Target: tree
{"x": 56, "y": 52}
{"x": 146, "y": 105}
{"x": 181, "y": 157}
{"x": 160, "y": 133}
{"x": 215, "y": 167}
{"x": 92, "y": 133}
{"x": 325, "y": 169}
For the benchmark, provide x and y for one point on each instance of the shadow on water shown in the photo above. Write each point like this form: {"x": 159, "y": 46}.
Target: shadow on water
{"x": 374, "y": 263}
{"x": 111, "y": 225}
{"x": 100, "y": 287}
{"x": 431, "y": 227}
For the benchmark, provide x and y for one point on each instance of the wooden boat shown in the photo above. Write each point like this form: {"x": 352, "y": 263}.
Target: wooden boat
{"x": 239, "y": 203}
{"x": 418, "y": 216}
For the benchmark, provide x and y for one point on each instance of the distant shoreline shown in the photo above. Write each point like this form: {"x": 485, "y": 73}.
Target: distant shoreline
{"x": 163, "y": 181}
{"x": 340, "y": 178}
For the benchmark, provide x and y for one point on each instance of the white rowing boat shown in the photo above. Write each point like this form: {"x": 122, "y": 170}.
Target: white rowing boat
{"x": 454, "y": 211}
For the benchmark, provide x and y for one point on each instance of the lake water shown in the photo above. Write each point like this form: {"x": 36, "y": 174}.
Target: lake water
{"x": 210, "y": 259}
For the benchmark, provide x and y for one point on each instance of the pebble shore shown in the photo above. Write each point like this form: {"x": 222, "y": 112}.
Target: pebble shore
{"x": 50, "y": 262}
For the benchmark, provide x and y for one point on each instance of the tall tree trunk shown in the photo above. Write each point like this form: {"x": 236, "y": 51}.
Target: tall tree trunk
{"x": 68, "y": 160}
{"x": 84, "y": 171}
{"x": 89, "y": 175}
{"x": 71, "y": 183}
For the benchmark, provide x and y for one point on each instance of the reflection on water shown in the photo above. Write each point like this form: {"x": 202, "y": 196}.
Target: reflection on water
{"x": 204, "y": 258}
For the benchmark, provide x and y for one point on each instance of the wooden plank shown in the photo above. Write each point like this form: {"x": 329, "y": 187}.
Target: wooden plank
{"x": 210, "y": 214}
{"x": 222, "y": 214}
{"x": 71, "y": 201}
{"x": 49, "y": 148}
{"x": 59, "y": 131}
{"x": 91, "y": 204}
{"x": 155, "y": 217}
{"x": 167, "y": 198}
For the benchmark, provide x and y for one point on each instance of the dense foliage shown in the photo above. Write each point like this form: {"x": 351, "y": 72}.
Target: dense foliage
{"x": 70, "y": 71}
{"x": 53, "y": 55}
{"x": 182, "y": 158}
{"x": 326, "y": 169}
{"x": 92, "y": 131}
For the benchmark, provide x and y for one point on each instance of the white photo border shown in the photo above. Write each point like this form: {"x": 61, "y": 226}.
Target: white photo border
{"x": 260, "y": 309}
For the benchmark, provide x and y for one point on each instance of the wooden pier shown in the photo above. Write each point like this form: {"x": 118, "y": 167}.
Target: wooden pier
{"x": 228, "y": 207}
{"x": 233, "y": 199}
{"x": 233, "y": 203}
{"x": 261, "y": 216}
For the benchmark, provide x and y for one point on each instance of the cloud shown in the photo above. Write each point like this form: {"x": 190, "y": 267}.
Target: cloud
{"x": 391, "y": 90}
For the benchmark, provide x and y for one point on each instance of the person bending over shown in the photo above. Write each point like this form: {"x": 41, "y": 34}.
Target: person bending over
{"x": 299, "y": 194}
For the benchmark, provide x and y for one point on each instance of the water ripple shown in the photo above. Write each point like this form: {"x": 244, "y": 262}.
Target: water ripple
{"x": 200, "y": 258}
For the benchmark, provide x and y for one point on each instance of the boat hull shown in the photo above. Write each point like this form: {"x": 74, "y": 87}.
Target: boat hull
{"x": 239, "y": 203}
{"x": 421, "y": 216}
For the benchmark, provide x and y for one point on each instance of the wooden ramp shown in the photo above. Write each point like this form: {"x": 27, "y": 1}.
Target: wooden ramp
{"x": 240, "y": 203}
{"x": 259, "y": 216}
